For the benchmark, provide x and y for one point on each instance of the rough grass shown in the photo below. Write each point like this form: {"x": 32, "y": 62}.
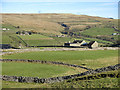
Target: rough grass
{"x": 98, "y": 83}
{"x": 92, "y": 59}
{"x": 35, "y": 22}
{"x": 108, "y": 82}
{"x": 48, "y": 23}
{"x": 35, "y": 69}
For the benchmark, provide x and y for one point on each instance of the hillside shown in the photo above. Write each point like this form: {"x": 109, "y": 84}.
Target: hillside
{"x": 50, "y": 25}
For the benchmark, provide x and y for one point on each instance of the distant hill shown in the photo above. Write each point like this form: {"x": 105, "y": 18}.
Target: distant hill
{"x": 51, "y": 23}
{"x": 74, "y": 26}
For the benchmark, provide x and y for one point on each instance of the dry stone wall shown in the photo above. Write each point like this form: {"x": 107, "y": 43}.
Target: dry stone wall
{"x": 57, "y": 79}
{"x": 44, "y": 62}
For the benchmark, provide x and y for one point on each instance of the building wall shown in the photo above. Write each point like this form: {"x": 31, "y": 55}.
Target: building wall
{"x": 94, "y": 45}
{"x": 82, "y": 42}
{"x": 75, "y": 44}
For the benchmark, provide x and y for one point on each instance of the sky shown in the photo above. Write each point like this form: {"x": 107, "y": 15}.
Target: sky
{"x": 93, "y": 8}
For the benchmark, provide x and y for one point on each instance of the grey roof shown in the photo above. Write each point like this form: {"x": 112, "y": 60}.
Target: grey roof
{"x": 77, "y": 41}
{"x": 90, "y": 43}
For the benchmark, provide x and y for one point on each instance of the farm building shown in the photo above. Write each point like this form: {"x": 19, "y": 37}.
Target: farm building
{"x": 24, "y": 32}
{"x": 115, "y": 34}
{"x": 5, "y": 46}
{"x": 60, "y": 35}
{"x": 5, "y": 29}
{"x": 93, "y": 44}
{"x": 75, "y": 43}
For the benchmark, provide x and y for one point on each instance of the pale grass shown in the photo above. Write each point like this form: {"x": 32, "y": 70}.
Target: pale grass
{"x": 48, "y": 23}
{"x": 78, "y": 27}
{"x": 103, "y": 62}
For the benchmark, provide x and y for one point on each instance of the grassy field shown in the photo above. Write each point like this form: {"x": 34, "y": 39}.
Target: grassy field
{"x": 91, "y": 59}
{"x": 32, "y": 40}
{"x": 49, "y": 25}
{"x": 6, "y": 39}
{"x": 36, "y": 70}
{"x": 12, "y": 39}
{"x": 98, "y": 40}
{"x": 42, "y": 40}
{"x": 34, "y": 37}
{"x": 99, "y": 31}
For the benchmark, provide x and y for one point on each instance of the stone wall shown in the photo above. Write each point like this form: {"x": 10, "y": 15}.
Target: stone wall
{"x": 44, "y": 62}
{"x": 57, "y": 79}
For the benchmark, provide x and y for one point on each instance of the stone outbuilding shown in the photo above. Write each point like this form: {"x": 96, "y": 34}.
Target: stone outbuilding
{"x": 93, "y": 44}
{"x": 75, "y": 43}
{"x": 24, "y": 32}
{"x": 4, "y": 29}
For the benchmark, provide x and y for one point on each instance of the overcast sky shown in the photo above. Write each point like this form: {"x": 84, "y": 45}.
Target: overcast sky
{"x": 93, "y": 8}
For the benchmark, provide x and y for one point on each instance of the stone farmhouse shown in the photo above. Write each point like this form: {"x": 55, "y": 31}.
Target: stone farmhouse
{"x": 93, "y": 44}
{"x": 82, "y": 43}
{"x": 75, "y": 43}
{"x": 60, "y": 35}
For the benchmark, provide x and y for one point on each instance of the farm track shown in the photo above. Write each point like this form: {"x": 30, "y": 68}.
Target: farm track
{"x": 12, "y": 51}
{"x": 55, "y": 49}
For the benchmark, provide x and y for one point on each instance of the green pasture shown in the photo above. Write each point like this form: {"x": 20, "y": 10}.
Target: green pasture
{"x": 99, "y": 31}
{"x": 91, "y": 59}
{"x": 6, "y": 39}
{"x": 34, "y": 69}
{"x": 98, "y": 40}
{"x": 12, "y": 39}
{"x": 41, "y": 40}
{"x": 34, "y": 37}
